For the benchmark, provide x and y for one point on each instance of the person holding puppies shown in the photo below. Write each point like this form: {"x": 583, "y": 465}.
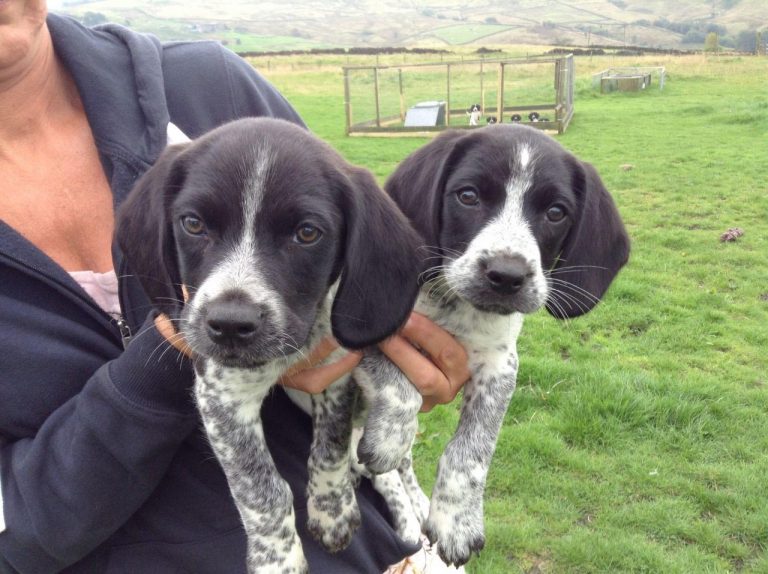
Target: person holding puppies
{"x": 103, "y": 464}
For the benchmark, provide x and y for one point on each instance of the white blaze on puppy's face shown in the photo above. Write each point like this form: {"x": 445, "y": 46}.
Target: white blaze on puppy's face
{"x": 239, "y": 274}
{"x": 508, "y": 234}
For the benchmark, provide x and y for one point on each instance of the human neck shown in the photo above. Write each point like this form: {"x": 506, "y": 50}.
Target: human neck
{"x": 34, "y": 94}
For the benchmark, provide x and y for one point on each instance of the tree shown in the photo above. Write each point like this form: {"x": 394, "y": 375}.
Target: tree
{"x": 746, "y": 41}
{"x": 711, "y": 43}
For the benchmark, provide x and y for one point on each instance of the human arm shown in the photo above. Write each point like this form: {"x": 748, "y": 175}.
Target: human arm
{"x": 98, "y": 456}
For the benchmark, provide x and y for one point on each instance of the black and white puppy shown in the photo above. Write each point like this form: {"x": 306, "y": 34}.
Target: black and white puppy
{"x": 279, "y": 242}
{"x": 511, "y": 222}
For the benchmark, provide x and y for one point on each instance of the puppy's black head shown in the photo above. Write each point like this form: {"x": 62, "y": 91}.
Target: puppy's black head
{"x": 259, "y": 220}
{"x": 519, "y": 222}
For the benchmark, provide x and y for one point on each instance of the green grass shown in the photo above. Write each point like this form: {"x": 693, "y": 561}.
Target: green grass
{"x": 466, "y": 33}
{"x": 243, "y": 42}
{"x": 637, "y": 440}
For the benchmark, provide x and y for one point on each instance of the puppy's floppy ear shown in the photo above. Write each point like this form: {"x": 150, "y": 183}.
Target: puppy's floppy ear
{"x": 379, "y": 278}
{"x": 418, "y": 182}
{"x": 596, "y": 247}
{"x": 144, "y": 231}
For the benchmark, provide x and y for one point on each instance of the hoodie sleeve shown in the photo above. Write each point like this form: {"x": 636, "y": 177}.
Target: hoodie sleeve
{"x": 96, "y": 458}
{"x": 207, "y": 85}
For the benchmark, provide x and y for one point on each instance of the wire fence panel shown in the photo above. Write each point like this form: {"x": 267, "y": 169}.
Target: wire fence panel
{"x": 465, "y": 94}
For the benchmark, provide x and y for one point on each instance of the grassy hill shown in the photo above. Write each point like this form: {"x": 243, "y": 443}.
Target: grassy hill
{"x": 301, "y": 24}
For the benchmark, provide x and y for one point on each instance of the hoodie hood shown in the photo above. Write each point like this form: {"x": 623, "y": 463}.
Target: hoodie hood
{"x": 134, "y": 127}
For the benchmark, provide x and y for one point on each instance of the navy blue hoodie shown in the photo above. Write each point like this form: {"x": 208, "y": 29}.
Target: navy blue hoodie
{"x": 103, "y": 466}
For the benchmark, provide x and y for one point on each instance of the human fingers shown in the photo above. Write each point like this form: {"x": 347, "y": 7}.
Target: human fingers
{"x": 430, "y": 381}
{"x": 318, "y": 354}
{"x": 307, "y": 376}
{"x": 175, "y": 339}
{"x": 441, "y": 347}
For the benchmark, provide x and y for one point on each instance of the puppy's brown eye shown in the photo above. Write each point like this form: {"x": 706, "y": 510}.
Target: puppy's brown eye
{"x": 555, "y": 213}
{"x": 307, "y": 234}
{"x": 193, "y": 225}
{"x": 468, "y": 196}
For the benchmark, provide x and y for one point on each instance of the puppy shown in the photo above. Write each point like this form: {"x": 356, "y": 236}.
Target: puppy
{"x": 278, "y": 242}
{"x": 511, "y": 222}
{"x": 474, "y": 113}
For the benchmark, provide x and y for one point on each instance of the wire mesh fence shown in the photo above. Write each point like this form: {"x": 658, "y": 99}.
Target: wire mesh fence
{"x": 380, "y": 99}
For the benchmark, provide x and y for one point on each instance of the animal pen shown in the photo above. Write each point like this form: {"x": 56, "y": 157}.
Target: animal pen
{"x": 630, "y": 79}
{"x": 417, "y": 98}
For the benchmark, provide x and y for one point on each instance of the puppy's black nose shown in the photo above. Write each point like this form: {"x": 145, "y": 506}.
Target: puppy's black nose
{"x": 233, "y": 323}
{"x": 507, "y": 274}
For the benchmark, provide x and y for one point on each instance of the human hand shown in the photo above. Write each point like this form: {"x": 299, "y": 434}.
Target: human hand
{"x": 175, "y": 339}
{"x": 442, "y": 373}
{"x": 164, "y": 324}
{"x": 309, "y": 376}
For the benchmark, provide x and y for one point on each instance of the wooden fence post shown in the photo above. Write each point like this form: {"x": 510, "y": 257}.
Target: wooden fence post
{"x": 500, "y": 97}
{"x": 376, "y": 89}
{"x": 402, "y": 95}
{"x": 347, "y": 103}
{"x": 448, "y": 92}
{"x": 482, "y": 89}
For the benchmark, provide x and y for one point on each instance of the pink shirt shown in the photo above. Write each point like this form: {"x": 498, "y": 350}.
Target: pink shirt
{"x": 102, "y": 287}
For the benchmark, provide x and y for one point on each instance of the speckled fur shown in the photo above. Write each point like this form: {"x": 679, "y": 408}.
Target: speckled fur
{"x": 455, "y": 519}
{"x": 229, "y": 400}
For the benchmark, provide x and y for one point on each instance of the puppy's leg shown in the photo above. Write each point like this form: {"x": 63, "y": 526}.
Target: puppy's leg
{"x": 390, "y": 486}
{"x": 419, "y": 500}
{"x": 393, "y": 404}
{"x": 331, "y": 504}
{"x": 229, "y": 401}
{"x": 456, "y": 512}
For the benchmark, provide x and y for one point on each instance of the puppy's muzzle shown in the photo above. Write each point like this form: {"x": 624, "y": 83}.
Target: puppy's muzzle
{"x": 234, "y": 323}
{"x": 506, "y": 274}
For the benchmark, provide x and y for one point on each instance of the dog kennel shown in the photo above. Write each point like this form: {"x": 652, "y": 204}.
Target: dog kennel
{"x": 417, "y": 98}
{"x": 634, "y": 79}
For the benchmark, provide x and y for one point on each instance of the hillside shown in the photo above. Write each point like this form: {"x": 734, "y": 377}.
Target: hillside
{"x": 245, "y": 25}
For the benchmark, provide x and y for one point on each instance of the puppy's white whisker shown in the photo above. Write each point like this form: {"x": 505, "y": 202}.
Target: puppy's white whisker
{"x": 571, "y": 300}
{"x": 561, "y": 284}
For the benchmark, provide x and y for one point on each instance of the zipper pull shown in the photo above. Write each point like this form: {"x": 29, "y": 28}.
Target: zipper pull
{"x": 125, "y": 330}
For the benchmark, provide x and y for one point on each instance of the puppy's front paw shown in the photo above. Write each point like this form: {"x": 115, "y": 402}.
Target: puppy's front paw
{"x": 381, "y": 452}
{"x": 334, "y": 516}
{"x": 389, "y": 433}
{"x": 457, "y": 530}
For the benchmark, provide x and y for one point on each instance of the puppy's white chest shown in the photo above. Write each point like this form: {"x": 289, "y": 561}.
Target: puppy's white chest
{"x": 241, "y": 391}
{"x": 489, "y": 339}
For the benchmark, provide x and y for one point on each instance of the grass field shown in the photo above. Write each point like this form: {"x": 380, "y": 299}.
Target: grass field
{"x": 465, "y": 33}
{"x": 637, "y": 440}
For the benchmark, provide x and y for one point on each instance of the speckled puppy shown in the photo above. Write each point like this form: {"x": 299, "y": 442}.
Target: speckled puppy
{"x": 279, "y": 242}
{"x": 511, "y": 222}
